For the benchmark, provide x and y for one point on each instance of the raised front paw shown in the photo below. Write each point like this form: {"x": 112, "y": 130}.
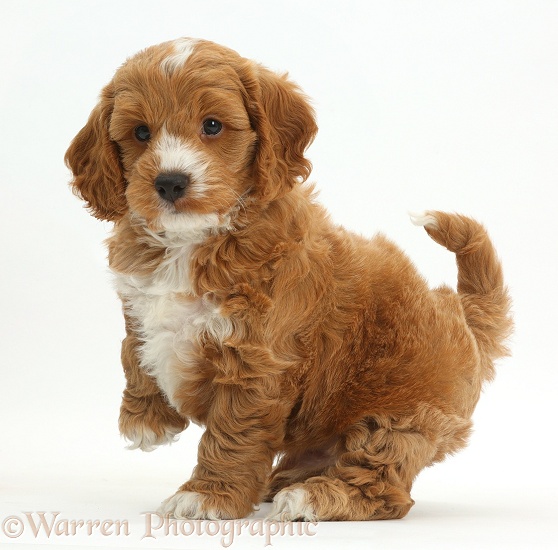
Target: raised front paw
{"x": 148, "y": 422}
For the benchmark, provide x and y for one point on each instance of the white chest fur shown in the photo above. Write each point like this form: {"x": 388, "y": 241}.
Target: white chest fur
{"x": 170, "y": 320}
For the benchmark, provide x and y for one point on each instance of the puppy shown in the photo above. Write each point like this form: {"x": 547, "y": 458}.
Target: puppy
{"x": 325, "y": 371}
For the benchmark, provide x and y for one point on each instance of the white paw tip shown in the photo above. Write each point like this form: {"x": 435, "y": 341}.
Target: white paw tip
{"x": 183, "y": 505}
{"x": 147, "y": 440}
{"x": 423, "y": 219}
{"x": 291, "y": 505}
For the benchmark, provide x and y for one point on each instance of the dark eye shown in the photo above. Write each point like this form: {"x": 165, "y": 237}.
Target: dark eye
{"x": 212, "y": 127}
{"x": 142, "y": 133}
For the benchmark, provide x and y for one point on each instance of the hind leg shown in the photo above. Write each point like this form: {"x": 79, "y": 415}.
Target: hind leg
{"x": 298, "y": 467}
{"x": 377, "y": 461}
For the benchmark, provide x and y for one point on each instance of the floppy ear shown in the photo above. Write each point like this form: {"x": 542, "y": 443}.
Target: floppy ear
{"x": 94, "y": 161}
{"x": 284, "y": 122}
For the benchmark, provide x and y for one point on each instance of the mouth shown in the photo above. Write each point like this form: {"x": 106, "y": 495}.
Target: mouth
{"x": 188, "y": 226}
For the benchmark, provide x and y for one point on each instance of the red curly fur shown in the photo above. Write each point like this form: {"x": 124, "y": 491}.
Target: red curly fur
{"x": 325, "y": 349}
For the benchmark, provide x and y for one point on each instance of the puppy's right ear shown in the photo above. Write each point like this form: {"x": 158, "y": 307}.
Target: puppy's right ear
{"x": 94, "y": 161}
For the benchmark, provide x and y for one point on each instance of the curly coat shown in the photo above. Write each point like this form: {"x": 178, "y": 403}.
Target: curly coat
{"x": 249, "y": 312}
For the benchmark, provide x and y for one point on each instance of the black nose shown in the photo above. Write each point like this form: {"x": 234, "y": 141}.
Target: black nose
{"x": 171, "y": 187}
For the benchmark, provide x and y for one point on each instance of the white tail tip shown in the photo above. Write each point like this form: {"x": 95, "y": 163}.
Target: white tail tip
{"x": 424, "y": 219}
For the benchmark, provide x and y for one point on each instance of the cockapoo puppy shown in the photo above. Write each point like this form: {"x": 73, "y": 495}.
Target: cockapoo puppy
{"x": 325, "y": 371}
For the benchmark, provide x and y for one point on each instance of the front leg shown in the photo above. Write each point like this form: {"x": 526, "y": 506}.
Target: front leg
{"x": 146, "y": 418}
{"x": 244, "y": 430}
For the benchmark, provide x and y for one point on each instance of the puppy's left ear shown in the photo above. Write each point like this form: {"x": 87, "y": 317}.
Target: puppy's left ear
{"x": 285, "y": 124}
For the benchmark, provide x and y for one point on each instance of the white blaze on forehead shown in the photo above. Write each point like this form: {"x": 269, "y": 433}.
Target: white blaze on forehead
{"x": 183, "y": 48}
{"x": 176, "y": 156}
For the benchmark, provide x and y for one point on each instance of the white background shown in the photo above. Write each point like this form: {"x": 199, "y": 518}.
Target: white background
{"x": 424, "y": 104}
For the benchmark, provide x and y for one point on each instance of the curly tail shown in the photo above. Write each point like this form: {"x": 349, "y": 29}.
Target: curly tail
{"x": 480, "y": 283}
